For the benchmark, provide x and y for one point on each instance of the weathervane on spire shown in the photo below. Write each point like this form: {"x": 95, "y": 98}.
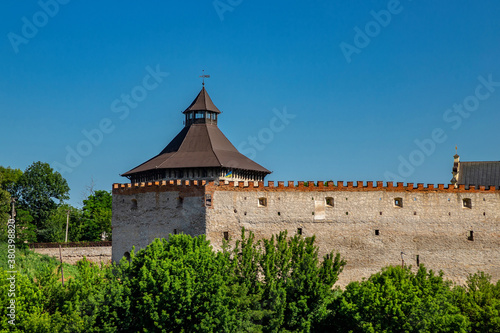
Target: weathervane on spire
{"x": 204, "y": 76}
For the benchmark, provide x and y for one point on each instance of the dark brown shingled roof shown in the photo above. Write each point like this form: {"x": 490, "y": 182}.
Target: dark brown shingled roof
{"x": 199, "y": 145}
{"x": 479, "y": 173}
{"x": 202, "y": 102}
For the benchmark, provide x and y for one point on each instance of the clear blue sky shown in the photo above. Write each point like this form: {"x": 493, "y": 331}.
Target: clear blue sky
{"x": 364, "y": 80}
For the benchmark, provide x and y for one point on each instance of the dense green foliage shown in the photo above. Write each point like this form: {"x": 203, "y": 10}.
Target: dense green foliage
{"x": 292, "y": 286}
{"x": 479, "y": 300}
{"x": 41, "y": 213}
{"x": 398, "y": 300}
{"x": 39, "y": 190}
{"x": 273, "y": 285}
{"x": 9, "y": 178}
{"x": 96, "y": 216}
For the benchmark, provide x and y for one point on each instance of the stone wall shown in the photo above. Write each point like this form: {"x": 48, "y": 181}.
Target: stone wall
{"x": 370, "y": 225}
{"x": 368, "y": 228}
{"x": 141, "y": 214}
{"x": 70, "y": 255}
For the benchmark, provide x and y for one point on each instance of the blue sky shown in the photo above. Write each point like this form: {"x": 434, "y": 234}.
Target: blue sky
{"x": 378, "y": 90}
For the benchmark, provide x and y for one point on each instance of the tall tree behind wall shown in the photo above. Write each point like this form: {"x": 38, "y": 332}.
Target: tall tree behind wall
{"x": 97, "y": 216}
{"x": 41, "y": 190}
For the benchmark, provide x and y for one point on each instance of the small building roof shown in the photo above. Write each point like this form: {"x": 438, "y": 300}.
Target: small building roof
{"x": 479, "y": 173}
{"x": 202, "y": 102}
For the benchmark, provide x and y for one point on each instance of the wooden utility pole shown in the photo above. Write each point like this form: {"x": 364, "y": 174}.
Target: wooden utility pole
{"x": 62, "y": 271}
{"x": 13, "y": 213}
{"x": 67, "y": 224}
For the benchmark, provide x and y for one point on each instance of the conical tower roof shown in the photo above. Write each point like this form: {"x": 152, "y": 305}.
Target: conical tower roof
{"x": 199, "y": 145}
{"x": 202, "y": 102}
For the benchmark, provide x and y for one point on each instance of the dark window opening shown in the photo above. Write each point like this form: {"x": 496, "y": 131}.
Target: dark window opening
{"x": 208, "y": 200}
{"x": 471, "y": 236}
{"x": 346, "y": 213}
{"x": 127, "y": 255}
{"x": 262, "y": 202}
{"x": 414, "y": 213}
{"x": 418, "y": 260}
{"x": 226, "y": 235}
{"x": 329, "y": 202}
{"x": 134, "y": 204}
{"x": 398, "y": 202}
{"x": 279, "y": 214}
{"x": 299, "y": 231}
{"x": 377, "y": 232}
{"x": 467, "y": 203}
{"x": 380, "y": 213}
{"x": 175, "y": 231}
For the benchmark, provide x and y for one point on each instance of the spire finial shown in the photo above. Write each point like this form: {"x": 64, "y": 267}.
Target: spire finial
{"x": 204, "y": 76}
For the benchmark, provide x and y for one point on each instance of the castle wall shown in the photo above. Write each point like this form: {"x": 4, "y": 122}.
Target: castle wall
{"x": 144, "y": 212}
{"x": 71, "y": 255}
{"x": 367, "y": 227}
{"x": 363, "y": 221}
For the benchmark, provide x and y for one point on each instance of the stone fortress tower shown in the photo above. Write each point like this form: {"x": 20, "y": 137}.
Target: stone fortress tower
{"x": 200, "y": 184}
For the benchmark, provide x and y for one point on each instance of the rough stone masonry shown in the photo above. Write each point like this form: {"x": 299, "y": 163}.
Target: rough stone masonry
{"x": 456, "y": 230}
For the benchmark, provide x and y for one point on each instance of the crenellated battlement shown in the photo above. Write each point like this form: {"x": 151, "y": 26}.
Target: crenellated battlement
{"x": 304, "y": 186}
{"x": 456, "y": 229}
{"x": 189, "y": 187}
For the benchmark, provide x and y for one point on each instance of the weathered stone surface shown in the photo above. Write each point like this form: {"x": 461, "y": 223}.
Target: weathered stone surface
{"x": 365, "y": 223}
{"x": 70, "y": 255}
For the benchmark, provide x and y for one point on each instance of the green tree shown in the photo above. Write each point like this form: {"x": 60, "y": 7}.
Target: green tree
{"x": 4, "y": 213}
{"x": 479, "y": 300}
{"x": 179, "y": 285}
{"x": 55, "y": 226}
{"x": 398, "y": 300}
{"x": 9, "y": 178}
{"x": 5, "y": 207}
{"x": 97, "y": 216}
{"x": 25, "y": 229}
{"x": 38, "y": 189}
{"x": 285, "y": 274}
